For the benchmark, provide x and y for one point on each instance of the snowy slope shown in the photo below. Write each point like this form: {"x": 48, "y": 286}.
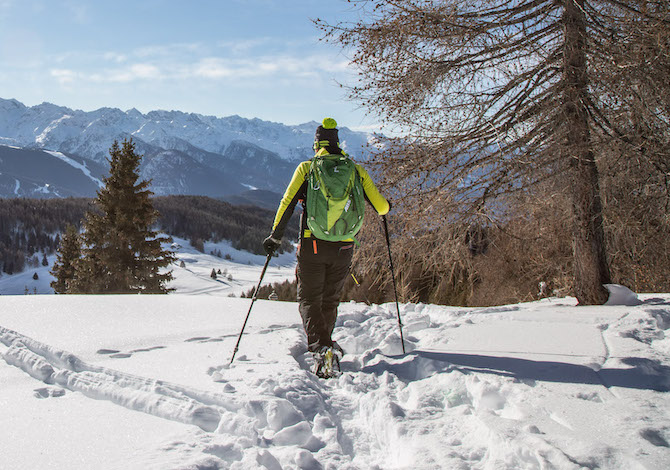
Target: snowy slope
{"x": 194, "y": 278}
{"x": 133, "y": 382}
{"x": 42, "y": 174}
{"x": 79, "y": 166}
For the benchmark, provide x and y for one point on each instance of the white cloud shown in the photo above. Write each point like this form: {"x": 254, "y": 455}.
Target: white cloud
{"x": 115, "y": 57}
{"x": 286, "y": 66}
{"x": 145, "y": 71}
{"x": 133, "y": 73}
{"x": 220, "y": 68}
{"x": 63, "y": 76}
{"x": 181, "y": 62}
{"x": 212, "y": 68}
{"x": 169, "y": 50}
{"x": 246, "y": 46}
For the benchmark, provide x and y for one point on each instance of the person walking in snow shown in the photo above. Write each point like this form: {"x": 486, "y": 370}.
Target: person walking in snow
{"x": 332, "y": 190}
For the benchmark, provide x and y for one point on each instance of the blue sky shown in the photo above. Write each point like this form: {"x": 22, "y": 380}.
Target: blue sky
{"x": 254, "y": 58}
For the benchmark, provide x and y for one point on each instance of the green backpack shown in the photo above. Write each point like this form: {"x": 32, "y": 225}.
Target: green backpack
{"x": 335, "y": 201}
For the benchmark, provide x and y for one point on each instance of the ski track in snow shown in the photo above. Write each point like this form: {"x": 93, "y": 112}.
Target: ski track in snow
{"x": 431, "y": 408}
{"x": 156, "y": 397}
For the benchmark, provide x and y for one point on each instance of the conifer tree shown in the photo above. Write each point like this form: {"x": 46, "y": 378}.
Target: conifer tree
{"x": 69, "y": 252}
{"x": 121, "y": 252}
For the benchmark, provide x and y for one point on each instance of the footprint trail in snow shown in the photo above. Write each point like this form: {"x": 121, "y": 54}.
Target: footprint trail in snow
{"x": 529, "y": 386}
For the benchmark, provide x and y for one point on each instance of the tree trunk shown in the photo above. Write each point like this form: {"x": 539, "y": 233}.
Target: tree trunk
{"x": 590, "y": 259}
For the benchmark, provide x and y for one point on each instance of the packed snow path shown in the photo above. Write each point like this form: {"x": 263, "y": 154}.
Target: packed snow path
{"x": 538, "y": 385}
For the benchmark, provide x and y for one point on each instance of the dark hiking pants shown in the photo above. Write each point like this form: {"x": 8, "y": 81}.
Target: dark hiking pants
{"x": 322, "y": 270}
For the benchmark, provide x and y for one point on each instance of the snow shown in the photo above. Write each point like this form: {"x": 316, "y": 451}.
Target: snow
{"x": 138, "y": 381}
{"x": 77, "y": 165}
{"x": 193, "y": 278}
{"x": 244, "y": 267}
{"x": 46, "y": 189}
{"x": 621, "y": 295}
{"x": 90, "y": 134}
{"x": 40, "y": 139}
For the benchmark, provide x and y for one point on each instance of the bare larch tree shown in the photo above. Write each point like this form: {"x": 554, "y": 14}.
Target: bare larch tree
{"x": 493, "y": 98}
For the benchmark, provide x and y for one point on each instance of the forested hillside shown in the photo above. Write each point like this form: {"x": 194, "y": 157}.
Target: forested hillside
{"x": 201, "y": 218}
{"x": 31, "y": 228}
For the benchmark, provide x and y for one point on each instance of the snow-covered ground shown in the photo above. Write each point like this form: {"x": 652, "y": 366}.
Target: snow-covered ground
{"x": 239, "y": 273}
{"x": 134, "y": 382}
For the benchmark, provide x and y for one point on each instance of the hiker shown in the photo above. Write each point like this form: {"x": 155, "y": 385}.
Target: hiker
{"x": 326, "y": 234}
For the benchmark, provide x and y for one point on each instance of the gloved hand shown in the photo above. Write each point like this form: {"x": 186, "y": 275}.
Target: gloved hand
{"x": 270, "y": 245}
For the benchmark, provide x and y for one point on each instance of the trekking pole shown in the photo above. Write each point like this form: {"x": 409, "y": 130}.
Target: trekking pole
{"x": 258, "y": 288}
{"x": 395, "y": 291}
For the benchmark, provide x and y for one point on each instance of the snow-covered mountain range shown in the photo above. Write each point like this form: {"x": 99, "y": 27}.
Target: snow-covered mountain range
{"x": 185, "y": 153}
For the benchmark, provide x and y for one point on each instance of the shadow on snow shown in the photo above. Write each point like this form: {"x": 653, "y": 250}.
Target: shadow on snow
{"x": 644, "y": 374}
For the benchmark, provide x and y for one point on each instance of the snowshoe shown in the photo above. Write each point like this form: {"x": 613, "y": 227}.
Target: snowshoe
{"x": 327, "y": 362}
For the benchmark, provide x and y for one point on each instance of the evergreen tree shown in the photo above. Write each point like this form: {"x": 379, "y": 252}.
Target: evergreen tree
{"x": 69, "y": 252}
{"x": 213, "y": 274}
{"x": 121, "y": 253}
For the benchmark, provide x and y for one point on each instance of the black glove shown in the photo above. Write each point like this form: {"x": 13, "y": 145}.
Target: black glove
{"x": 270, "y": 245}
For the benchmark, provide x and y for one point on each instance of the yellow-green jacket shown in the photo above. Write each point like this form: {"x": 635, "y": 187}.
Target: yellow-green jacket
{"x": 297, "y": 190}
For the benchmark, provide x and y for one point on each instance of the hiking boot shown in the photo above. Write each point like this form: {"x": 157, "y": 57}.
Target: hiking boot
{"x": 327, "y": 362}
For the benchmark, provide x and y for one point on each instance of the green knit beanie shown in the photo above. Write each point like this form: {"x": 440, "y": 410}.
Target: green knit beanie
{"x": 329, "y": 123}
